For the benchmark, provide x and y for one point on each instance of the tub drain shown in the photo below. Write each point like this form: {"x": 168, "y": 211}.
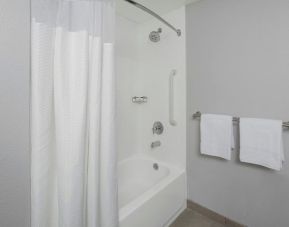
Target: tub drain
{"x": 156, "y": 166}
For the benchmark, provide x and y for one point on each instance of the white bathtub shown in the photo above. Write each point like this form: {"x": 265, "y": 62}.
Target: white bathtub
{"x": 149, "y": 197}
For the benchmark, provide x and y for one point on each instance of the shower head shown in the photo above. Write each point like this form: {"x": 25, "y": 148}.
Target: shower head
{"x": 155, "y": 35}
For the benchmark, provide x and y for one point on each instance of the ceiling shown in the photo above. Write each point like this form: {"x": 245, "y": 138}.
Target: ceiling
{"x": 159, "y": 6}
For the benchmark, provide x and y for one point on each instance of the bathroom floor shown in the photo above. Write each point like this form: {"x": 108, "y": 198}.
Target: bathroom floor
{"x": 191, "y": 218}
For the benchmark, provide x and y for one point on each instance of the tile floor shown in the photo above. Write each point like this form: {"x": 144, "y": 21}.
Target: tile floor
{"x": 191, "y": 218}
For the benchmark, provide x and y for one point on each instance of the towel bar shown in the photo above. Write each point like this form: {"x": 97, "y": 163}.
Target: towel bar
{"x": 198, "y": 114}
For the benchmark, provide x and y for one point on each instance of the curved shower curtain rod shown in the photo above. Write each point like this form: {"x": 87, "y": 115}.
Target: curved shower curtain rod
{"x": 142, "y": 7}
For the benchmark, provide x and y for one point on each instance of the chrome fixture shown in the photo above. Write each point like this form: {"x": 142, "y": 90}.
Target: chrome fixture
{"x": 155, "y": 144}
{"x": 155, "y": 166}
{"x": 155, "y": 35}
{"x": 172, "y": 120}
{"x": 142, "y": 7}
{"x": 236, "y": 120}
{"x": 158, "y": 128}
{"x": 139, "y": 100}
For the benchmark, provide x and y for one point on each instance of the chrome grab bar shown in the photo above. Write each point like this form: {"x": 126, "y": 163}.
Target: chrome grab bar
{"x": 171, "y": 98}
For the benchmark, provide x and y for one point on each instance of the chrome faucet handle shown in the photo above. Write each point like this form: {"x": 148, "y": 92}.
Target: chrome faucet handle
{"x": 155, "y": 144}
{"x": 158, "y": 128}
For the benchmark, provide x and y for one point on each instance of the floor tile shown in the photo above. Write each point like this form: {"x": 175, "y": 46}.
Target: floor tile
{"x": 190, "y": 218}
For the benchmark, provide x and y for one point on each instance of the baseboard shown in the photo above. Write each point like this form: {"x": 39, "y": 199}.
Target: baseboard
{"x": 213, "y": 215}
{"x": 177, "y": 214}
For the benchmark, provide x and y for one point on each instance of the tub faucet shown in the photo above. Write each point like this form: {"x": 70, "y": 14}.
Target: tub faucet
{"x": 155, "y": 144}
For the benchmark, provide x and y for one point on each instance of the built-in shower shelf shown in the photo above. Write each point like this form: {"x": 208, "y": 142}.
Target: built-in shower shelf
{"x": 139, "y": 100}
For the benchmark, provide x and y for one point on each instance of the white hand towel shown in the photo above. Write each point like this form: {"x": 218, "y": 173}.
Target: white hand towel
{"x": 217, "y": 135}
{"x": 261, "y": 142}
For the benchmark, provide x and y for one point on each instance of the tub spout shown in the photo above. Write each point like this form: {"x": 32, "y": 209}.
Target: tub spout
{"x": 155, "y": 144}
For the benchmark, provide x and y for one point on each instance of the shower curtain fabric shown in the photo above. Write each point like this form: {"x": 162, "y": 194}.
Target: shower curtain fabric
{"x": 73, "y": 157}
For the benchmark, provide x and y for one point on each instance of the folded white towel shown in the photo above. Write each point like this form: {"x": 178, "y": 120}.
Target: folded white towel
{"x": 217, "y": 135}
{"x": 261, "y": 142}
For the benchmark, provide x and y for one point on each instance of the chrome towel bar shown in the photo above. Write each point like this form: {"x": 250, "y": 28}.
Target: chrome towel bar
{"x": 198, "y": 115}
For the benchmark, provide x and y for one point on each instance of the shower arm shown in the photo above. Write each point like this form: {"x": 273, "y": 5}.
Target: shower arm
{"x": 178, "y": 31}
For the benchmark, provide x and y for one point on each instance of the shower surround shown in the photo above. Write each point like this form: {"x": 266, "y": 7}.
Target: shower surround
{"x": 148, "y": 196}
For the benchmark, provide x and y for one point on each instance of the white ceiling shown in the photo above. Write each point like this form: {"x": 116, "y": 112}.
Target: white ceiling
{"x": 159, "y": 6}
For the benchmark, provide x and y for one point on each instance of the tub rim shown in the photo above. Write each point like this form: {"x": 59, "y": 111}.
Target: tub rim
{"x": 174, "y": 172}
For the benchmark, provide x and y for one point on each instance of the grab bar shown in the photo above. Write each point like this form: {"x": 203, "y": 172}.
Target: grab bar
{"x": 171, "y": 98}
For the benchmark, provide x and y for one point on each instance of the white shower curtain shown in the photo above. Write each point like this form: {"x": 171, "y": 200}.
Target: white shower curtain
{"x": 73, "y": 157}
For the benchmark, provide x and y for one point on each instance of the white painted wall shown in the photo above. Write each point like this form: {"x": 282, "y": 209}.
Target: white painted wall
{"x": 14, "y": 113}
{"x": 238, "y": 64}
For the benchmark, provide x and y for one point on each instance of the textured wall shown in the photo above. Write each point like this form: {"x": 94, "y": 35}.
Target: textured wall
{"x": 237, "y": 58}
